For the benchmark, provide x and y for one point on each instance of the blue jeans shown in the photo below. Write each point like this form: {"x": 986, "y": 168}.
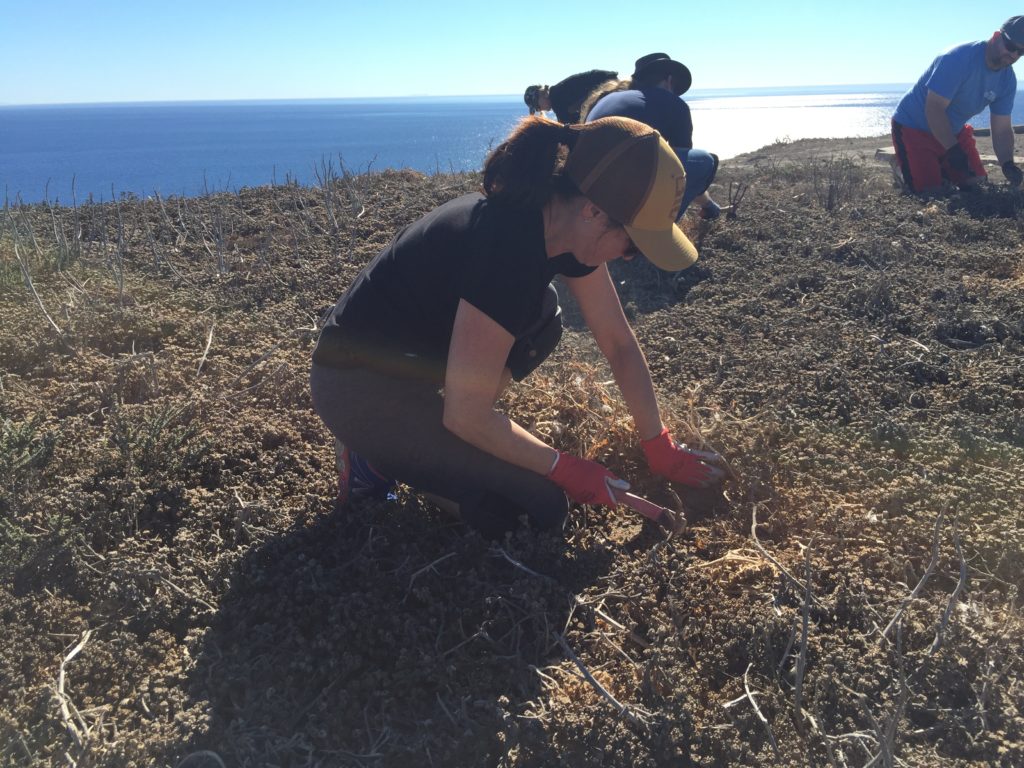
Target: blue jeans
{"x": 700, "y": 167}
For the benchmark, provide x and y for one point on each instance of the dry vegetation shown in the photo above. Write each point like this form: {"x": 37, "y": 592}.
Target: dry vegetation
{"x": 176, "y": 589}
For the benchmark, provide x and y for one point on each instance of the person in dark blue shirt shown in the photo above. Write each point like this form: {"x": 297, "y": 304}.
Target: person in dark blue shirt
{"x": 652, "y": 96}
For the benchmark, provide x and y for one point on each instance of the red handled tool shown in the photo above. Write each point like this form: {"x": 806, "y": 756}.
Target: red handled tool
{"x": 663, "y": 516}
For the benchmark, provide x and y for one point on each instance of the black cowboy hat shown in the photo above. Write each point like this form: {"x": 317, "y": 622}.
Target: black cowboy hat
{"x": 658, "y": 63}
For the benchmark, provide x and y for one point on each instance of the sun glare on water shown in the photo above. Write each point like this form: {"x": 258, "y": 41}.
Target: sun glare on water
{"x": 734, "y": 125}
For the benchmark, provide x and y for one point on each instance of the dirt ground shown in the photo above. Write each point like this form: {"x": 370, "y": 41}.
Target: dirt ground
{"x": 177, "y": 588}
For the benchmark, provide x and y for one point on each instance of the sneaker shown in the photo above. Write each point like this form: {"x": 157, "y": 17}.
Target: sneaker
{"x": 357, "y": 479}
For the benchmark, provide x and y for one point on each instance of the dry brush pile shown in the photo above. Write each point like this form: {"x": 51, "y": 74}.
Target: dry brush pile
{"x": 176, "y": 589}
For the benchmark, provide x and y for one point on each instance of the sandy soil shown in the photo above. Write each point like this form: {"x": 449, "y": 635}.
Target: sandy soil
{"x": 177, "y": 589}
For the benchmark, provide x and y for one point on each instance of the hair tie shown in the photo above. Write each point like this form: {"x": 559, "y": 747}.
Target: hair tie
{"x": 569, "y": 135}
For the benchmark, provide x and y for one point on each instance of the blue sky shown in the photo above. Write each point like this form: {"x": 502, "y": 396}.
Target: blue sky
{"x": 70, "y": 51}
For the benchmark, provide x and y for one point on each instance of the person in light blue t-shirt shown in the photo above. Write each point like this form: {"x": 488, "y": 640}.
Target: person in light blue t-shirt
{"x": 933, "y": 143}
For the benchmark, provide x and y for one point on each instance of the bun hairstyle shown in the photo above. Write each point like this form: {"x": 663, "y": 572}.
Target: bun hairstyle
{"x": 526, "y": 170}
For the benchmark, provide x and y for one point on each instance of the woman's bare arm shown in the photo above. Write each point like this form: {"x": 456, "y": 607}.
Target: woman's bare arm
{"x": 473, "y": 381}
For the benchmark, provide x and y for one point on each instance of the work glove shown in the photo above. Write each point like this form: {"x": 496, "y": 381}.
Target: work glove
{"x": 585, "y": 482}
{"x": 676, "y": 462}
{"x": 1012, "y": 173}
{"x": 957, "y": 160}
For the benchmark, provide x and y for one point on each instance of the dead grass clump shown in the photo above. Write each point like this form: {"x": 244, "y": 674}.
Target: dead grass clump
{"x": 572, "y": 409}
{"x": 836, "y": 182}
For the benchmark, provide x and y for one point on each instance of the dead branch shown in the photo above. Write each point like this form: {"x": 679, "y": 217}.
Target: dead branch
{"x": 180, "y": 235}
{"x": 924, "y": 579}
{"x": 884, "y": 733}
{"x": 27, "y": 277}
{"x": 446, "y": 710}
{"x": 619, "y": 626}
{"x": 326, "y": 178}
{"x": 833, "y": 759}
{"x": 78, "y": 731}
{"x": 793, "y": 580}
{"x": 960, "y": 586}
{"x": 634, "y": 716}
{"x": 479, "y": 633}
{"x": 801, "y": 663}
{"x": 520, "y": 566}
{"x": 757, "y": 711}
{"x": 296, "y": 332}
{"x": 887, "y": 736}
{"x": 206, "y": 350}
{"x": 428, "y": 567}
{"x": 736, "y": 195}
{"x": 118, "y": 261}
{"x": 733, "y": 555}
{"x": 789, "y": 647}
{"x": 156, "y": 576}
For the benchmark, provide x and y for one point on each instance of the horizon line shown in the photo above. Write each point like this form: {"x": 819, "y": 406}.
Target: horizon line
{"x": 408, "y": 97}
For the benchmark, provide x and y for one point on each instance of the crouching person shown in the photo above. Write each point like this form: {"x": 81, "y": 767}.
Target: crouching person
{"x": 415, "y": 354}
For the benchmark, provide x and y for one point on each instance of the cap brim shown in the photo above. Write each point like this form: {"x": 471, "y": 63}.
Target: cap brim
{"x": 667, "y": 249}
{"x": 681, "y": 79}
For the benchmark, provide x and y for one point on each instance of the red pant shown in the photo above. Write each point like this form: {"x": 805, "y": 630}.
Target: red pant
{"x": 920, "y": 157}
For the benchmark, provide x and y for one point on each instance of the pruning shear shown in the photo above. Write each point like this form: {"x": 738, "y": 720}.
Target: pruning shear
{"x": 673, "y": 522}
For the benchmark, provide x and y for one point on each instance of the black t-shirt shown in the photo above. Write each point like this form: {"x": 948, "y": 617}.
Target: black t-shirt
{"x": 567, "y": 95}
{"x": 404, "y": 302}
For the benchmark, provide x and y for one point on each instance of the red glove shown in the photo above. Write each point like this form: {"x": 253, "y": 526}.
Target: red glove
{"x": 672, "y": 460}
{"x": 585, "y": 482}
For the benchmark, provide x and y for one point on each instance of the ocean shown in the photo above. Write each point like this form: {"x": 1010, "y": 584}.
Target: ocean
{"x": 67, "y": 153}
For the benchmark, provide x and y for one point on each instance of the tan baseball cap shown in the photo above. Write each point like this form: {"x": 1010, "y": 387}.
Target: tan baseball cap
{"x": 631, "y": 173}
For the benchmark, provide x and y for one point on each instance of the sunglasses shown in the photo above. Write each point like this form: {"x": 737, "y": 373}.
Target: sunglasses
{"x": 1011, "y": 46}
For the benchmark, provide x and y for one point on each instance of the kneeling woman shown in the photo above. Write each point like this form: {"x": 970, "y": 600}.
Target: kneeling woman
{"x": 461, "y": 300}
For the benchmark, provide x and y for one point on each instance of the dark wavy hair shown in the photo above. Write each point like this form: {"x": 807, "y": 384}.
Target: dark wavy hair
{"x": 526, "y": 170}
{"x": 602, "y": 90}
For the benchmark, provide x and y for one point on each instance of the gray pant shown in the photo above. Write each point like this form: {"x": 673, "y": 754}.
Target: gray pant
{"x": 395, "y": 423}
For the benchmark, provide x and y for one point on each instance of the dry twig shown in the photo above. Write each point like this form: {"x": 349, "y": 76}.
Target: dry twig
{"x": 960, "y": 586}
{"x": 79, "y": 731}
{"x": 27, "y": 277}
{"x": 801, "y": 663}
{"x": 156, "y": 576}
{"x": 635, "y": 716}
{"x": 782, "y": 569}
{"x": 736, "y": 195}
{"x": 757, "y": 711}
{"x": 428, "y": 567}
{"x": 920, "y": 584}
{"x": 618, "y": 625}
{"x": 520, "y": 566}
{"x": 206, "y": 350}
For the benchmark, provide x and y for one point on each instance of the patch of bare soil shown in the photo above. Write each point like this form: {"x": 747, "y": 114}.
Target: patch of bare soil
{"x": 176, "y": 588}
